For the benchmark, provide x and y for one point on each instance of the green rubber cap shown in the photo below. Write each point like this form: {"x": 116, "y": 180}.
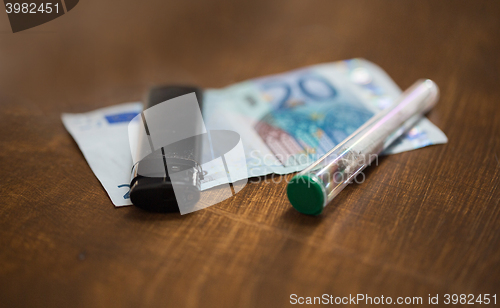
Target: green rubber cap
{"x": 306, "y": 195}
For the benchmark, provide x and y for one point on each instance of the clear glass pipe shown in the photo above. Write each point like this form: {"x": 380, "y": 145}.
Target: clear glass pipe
{"x": 313, "y": 188}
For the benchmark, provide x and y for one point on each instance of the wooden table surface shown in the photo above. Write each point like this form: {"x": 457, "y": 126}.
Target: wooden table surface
{"x": 424, "y": 222}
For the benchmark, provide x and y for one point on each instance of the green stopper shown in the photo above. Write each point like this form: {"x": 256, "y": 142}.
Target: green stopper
{"x": 306, "y": 195}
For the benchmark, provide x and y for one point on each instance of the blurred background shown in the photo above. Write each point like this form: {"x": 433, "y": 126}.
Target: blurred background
{"x": 108, "y": 52}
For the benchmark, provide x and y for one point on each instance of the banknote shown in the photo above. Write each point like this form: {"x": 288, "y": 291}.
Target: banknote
{"x": 286, "y": 122}
{"x": 102, "y": 136}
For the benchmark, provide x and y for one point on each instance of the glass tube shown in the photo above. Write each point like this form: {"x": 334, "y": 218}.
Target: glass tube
{"x": 316, "y": 186}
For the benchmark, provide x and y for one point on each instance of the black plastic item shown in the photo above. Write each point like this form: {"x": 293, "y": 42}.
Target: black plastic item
{"x": 156, "y": 194}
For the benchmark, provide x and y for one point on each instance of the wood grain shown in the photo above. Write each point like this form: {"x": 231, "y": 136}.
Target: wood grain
{"x": 424, "y": 222}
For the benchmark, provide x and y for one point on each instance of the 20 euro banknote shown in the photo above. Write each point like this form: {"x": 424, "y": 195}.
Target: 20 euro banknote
{"x": 286, "y": 121}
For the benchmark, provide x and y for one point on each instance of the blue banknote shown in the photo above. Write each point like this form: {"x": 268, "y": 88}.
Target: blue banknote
{"x": 286, "y": 122}
{"x": 289, "y": 120}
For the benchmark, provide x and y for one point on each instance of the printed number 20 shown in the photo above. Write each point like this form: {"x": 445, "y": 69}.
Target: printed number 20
{"x": 301, "y": 82}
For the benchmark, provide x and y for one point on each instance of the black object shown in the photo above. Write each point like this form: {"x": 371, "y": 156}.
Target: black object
{"x": 156, "y": 193}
